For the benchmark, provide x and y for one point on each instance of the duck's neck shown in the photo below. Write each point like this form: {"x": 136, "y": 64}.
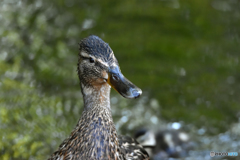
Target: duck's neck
{"x": 96, "y": 96}
{"x": 95, "y": 129}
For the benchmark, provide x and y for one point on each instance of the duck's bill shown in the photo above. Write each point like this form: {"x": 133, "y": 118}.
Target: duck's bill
{"x": 121, "y": 84}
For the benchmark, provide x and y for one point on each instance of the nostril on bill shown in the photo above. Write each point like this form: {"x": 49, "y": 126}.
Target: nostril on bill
{"x": 115, "y": 77}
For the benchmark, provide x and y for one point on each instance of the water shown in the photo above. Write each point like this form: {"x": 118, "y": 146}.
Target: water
{"x": 183, "y": 55}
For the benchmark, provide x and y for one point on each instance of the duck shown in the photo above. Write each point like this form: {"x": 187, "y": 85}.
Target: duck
{"x": 164, "y": 144}
{"x": 95, "y": 136}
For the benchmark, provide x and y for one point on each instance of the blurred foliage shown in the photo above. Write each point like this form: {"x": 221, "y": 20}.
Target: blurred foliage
{"x": 185, "y": 55}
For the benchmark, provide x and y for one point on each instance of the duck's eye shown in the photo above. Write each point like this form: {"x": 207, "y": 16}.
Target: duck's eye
{"x": 91, "y": 60}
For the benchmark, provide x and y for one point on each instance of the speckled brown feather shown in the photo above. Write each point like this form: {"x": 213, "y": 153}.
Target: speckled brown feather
{"x": 95, "y": 136}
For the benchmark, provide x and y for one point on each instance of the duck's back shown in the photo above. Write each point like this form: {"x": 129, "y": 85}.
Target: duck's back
{"x": 132, "y": 149}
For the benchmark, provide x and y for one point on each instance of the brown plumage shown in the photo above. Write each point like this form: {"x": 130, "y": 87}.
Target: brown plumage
{"x": 95, "y": 136}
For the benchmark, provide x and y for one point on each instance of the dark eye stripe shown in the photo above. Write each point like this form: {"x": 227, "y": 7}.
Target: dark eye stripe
{"x": 91, "y": 60}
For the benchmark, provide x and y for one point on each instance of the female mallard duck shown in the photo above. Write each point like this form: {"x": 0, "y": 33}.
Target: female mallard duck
{"x": 164, "y": 144}
{"x": 95, "y": 136}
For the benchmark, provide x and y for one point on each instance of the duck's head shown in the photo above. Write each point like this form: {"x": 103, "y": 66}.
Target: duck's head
{"x": 97, "y": 66}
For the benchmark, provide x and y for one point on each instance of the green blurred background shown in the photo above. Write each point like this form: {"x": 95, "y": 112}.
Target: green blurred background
{"x": 184, "y": 55}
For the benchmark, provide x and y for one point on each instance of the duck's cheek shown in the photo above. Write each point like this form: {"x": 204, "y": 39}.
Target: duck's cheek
{"x": 100, "y": 81}
{"x": 80, "y": 68}
{"x": 104, "y": 76}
